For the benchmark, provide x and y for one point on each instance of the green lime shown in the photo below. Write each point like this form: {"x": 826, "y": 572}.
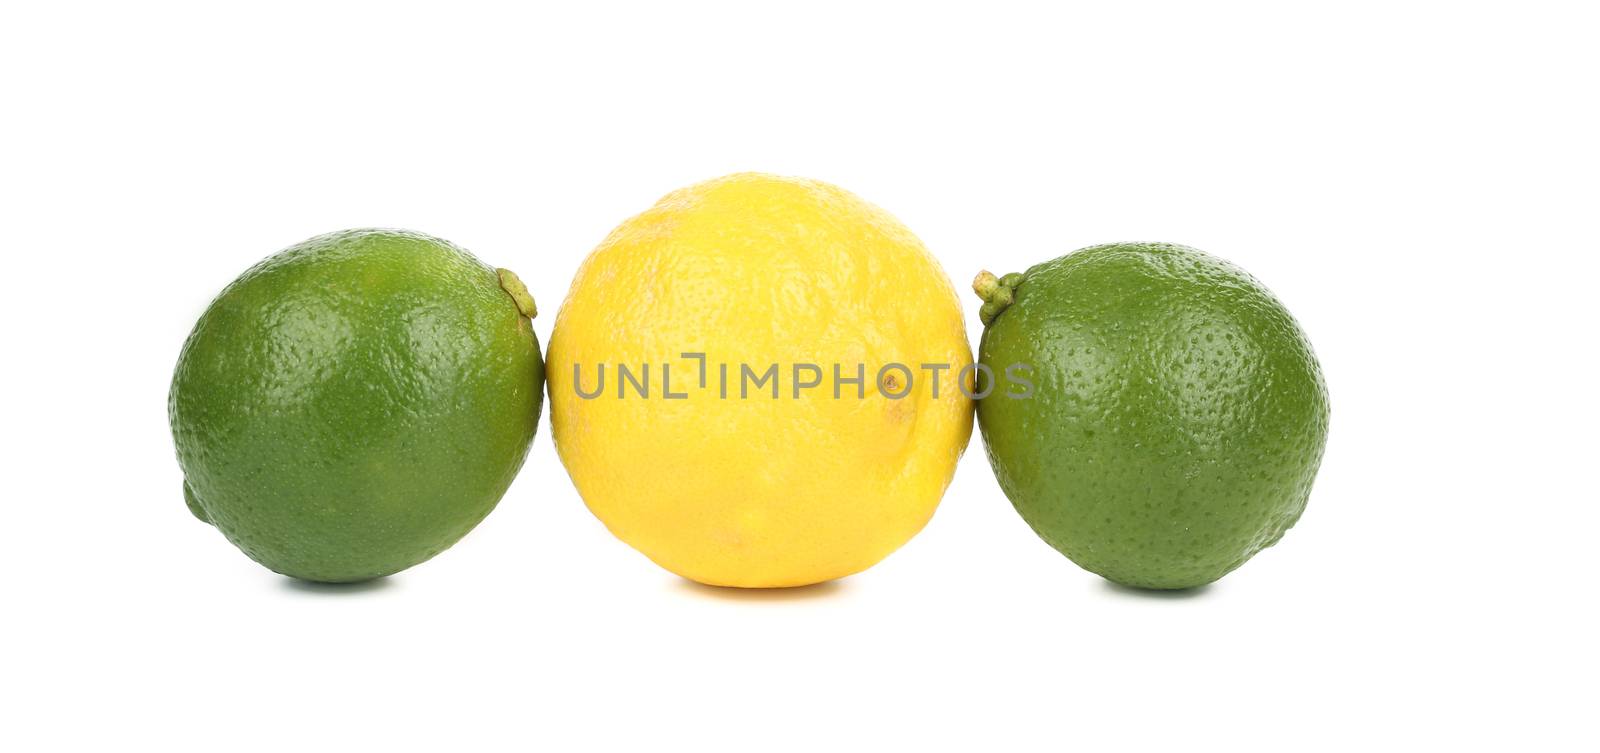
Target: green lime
{"x": 355, "y": 404}
{"x": 1176, "y": 414}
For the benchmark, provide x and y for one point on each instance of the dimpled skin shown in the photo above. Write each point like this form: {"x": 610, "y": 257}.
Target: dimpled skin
{"x": 1178, "y": 418}
{"x": 355, "y": 404}
{"x": 760, "y": 492}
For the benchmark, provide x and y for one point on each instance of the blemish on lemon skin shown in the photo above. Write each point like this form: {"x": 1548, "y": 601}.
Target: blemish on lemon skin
{"x": 732, "y": 538}
{"x": 900, "y": 402}
{"x": 901, "y": 411}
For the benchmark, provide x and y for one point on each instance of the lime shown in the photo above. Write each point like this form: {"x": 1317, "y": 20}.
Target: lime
{"x": 1166, "y": 416}
{"x": 355, "y": 404}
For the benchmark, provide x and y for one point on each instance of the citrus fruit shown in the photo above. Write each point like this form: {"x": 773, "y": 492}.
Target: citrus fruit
{"x": 1173, "y": 415}
{"x": 723, "y": 477}
{"x": 353, "y": 405}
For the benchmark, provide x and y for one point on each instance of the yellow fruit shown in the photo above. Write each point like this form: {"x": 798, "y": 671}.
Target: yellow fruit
{"x": 749, "y": 489}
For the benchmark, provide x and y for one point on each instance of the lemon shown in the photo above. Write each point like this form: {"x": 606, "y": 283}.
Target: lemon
{"x": 675, "y": 441}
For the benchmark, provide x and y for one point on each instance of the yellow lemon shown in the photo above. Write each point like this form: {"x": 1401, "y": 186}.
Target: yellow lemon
{"x": 761, "y": 381}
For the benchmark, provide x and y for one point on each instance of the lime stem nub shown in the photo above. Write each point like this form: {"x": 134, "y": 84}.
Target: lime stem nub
{"x": 985, "y": 284}
{"x": 510, "y": 283}
{"x": 997, "y": 293}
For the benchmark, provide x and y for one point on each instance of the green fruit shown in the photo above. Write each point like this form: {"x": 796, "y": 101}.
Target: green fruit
{"x": 1177, "y": 414}
{"x": 355, "y": 404}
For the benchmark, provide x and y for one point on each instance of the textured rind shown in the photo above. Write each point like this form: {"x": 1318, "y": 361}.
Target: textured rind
{"x": 1179, "y": 414}
{"x": 355, "y": 404}
{"x": 760, "y": 269}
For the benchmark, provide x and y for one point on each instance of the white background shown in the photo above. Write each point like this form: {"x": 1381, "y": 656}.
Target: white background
{"x": 1417, "y": 182}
